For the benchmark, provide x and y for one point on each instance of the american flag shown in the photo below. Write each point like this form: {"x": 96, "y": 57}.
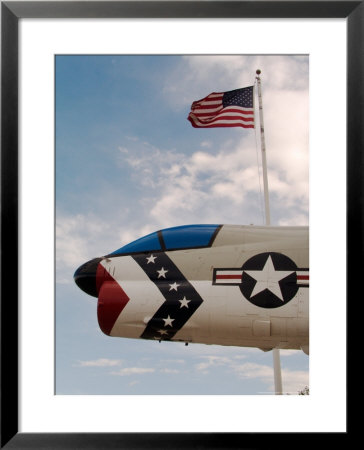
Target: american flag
{"x": 224, "y": 109}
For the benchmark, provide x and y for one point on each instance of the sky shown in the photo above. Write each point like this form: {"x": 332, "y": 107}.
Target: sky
{"x": 129, "y": 163}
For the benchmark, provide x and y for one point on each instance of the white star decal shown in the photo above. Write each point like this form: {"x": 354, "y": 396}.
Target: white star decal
{"x": 151, "y": 259}
{"x": 162, "y": 331}
{"x": 184, "y": 302}
{"x": 268, "y": 278}
{"x": 162, "y": 272}
{"x": 168, "y": 321}
{"x": 174, "y": 286}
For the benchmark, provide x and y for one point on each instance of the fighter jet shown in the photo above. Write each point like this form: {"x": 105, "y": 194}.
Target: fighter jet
{"x": 230, "y": 285}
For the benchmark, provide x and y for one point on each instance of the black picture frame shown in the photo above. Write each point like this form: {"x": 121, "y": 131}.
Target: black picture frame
{"x": 11, "y": 13}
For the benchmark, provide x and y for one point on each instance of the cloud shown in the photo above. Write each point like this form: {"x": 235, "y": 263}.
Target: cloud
{"x": 133, "y": 371}
{"x": 126, "y": 371}
{"x": 231, "y": 365}
{"x": 254, "y": 370}
{"x": 71, "y": 247}
{"x": 102, "y": 362}
{"x": 79, "y": 238}
{"x": 173, "y": 361}
{"x": 222, "y": 185}
{"x": 195, "y": 80}
{"x": 213, "y": 361}
{"x": 183, "y": 186}
{"x": 170, "y": 371}
{"x": 292, "y": 380}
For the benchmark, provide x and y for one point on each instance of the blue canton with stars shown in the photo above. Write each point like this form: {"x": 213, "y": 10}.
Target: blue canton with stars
{"x": 239, "y": 97}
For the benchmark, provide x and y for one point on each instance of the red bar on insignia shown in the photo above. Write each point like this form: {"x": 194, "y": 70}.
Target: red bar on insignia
{"x": 303, "y": 277}
{"x": 228, "y": 276}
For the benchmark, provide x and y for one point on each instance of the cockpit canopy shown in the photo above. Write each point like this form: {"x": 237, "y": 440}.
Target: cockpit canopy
{"x": 176, "y": 238}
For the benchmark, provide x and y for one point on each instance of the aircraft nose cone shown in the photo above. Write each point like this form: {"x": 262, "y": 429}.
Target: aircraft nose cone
{"x": 85, "y": 276}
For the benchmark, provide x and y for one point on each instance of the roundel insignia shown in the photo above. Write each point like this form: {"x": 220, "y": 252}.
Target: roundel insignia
{"x": 269, "y": 280}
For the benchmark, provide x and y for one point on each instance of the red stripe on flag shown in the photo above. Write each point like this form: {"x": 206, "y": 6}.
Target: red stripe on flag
{"x": 221, "y": 125}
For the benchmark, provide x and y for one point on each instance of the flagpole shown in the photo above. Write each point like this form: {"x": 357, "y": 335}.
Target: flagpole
{"x": 276, "y": 355}
{"x": 262, "y": 145}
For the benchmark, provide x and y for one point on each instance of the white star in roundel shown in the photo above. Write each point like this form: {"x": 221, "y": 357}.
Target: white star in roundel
{"x": 174, "y": 286}
{"x": 151, "y": 259}
{"x": 168, "y": 321}
{"x": 162, "y": 272}
{"x": 268, "y": 278}
{"x": 184, "y": 302}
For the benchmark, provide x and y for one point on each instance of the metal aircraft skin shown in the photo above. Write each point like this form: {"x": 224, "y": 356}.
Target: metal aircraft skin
{"x": 214, "y": 284}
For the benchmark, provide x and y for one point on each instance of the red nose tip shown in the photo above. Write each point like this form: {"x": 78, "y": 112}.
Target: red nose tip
{"x": 112, "y": 300}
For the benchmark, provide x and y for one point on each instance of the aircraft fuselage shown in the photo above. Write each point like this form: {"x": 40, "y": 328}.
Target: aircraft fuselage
{"x": 227, "y": 285}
